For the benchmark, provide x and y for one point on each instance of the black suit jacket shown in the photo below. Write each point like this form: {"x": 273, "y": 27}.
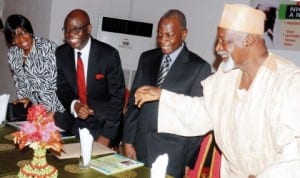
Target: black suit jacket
{"x": 140, "y": 125}
{"x": 105, "y": 87}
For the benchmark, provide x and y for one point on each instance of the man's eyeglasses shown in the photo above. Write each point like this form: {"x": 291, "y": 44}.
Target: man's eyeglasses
{"x": 75, "y": 30}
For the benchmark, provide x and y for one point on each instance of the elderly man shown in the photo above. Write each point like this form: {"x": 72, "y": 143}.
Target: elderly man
{"x": 251, "y": 103}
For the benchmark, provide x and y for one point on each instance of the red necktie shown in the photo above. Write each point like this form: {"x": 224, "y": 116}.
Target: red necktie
{"x": 81, "y": 80}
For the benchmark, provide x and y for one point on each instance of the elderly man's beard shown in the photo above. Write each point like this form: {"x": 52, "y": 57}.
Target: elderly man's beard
{"x": 228, "y": 64}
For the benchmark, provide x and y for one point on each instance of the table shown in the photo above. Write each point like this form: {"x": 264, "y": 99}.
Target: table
{"x": 11, "y": 156}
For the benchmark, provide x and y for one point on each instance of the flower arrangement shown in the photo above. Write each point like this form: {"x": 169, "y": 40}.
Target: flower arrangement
{"x": 39, "y": 131}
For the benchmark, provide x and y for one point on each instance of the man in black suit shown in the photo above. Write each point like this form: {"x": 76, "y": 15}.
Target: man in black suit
{"x": 186, "y": 70}
{"x": 101, "y": 111}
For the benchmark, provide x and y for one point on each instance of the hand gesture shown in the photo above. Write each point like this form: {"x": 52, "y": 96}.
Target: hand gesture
{"x": 83, "y": 111}
{"x": 146, "y": 94}
{"x": 25, "y": 101}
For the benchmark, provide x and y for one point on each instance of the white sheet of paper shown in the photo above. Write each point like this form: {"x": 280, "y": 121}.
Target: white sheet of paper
{"x": 86, "y": 145}
{"x": 3, "y": 107}
{"x": 159, "y": 166}
{"x": 72, "y": 150}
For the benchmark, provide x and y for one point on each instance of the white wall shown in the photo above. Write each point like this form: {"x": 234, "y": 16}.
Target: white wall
{"x": 47, "y": 17}
{"x": 37, "y": 11}
{"x": 202, "y": 17}
{"x": 6, "y": 80}
{"x": 1, "y": 5}
{"x": 60, "y": 9}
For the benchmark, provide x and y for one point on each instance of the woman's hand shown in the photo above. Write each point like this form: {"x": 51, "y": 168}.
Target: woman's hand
{"x": 25, "y": 101}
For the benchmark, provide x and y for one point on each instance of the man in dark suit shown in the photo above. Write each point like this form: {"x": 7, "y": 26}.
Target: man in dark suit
{"x": 186, "y": 70}
{"x": 104, "y": 86}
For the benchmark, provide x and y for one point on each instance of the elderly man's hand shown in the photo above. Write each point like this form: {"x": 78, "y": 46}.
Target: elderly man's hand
{"x": 146, "y": 94}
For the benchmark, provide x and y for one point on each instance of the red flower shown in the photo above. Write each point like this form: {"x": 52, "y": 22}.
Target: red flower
{"x": 37, "y": 112}
{"x": 39, "y": 130}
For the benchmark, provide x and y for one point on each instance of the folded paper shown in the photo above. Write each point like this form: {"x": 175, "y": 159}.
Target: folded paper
{"x": 86, "y": 146}
{"x": 3, "y": 107}
{"x": 159, "y": 166}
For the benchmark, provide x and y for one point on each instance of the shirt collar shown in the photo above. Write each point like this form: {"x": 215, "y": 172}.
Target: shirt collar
{"x": 86, "y": 49}
{"x": 175, "y": 53}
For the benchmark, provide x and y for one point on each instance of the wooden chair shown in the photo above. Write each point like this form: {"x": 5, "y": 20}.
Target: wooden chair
{"x": 199, "y": 170}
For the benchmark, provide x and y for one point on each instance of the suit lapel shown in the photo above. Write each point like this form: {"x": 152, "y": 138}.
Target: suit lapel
{"x": 71, "y": 68}
{"x": 91, "y": 65}
{"x": 177, "y": 68}
{"x": 157, "y": 59}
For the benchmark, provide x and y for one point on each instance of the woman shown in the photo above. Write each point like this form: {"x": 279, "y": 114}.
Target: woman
{"x": 33, "y": 64}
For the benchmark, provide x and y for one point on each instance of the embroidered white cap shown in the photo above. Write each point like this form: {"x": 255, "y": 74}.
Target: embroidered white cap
{"x": 240, "y": 17}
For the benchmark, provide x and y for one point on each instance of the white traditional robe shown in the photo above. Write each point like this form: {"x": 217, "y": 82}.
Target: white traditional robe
{"x": 257, "y": 130}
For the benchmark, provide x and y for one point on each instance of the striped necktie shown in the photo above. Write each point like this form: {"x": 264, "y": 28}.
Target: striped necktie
{"x": 81, "y": 80}
{"x": 163, "y": 71}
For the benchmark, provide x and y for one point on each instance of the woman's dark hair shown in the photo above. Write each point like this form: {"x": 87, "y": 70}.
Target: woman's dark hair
{"x": 12, "y": 23}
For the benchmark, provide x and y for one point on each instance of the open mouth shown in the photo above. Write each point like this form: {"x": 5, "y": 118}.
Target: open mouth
{"x": 73, "y": 40}
{"x": 25, "y": 45}
{"x": 165, "y": 47}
